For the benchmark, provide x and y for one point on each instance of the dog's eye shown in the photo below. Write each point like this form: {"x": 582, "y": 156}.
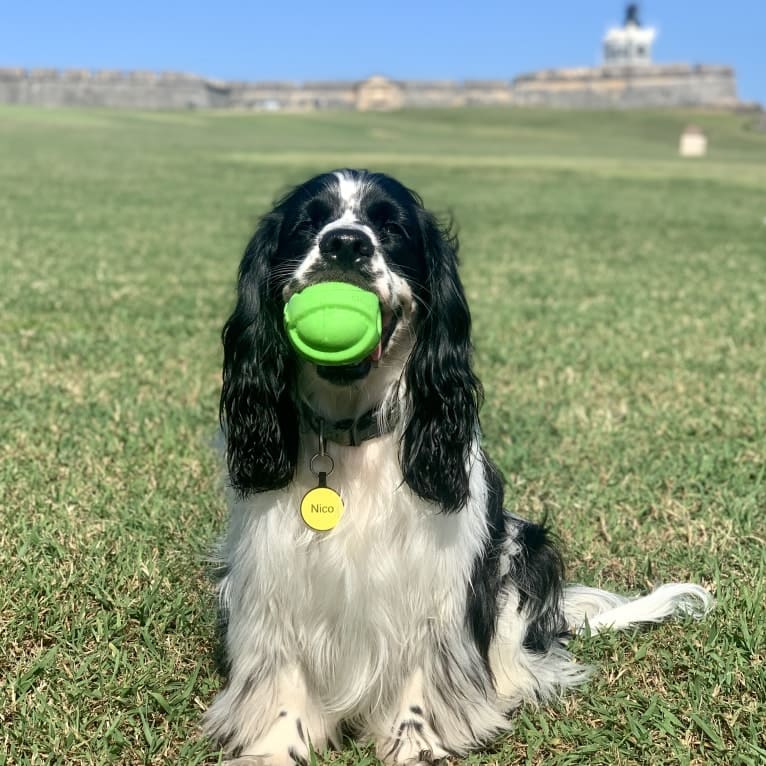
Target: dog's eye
{"x": 383, "y": 215}
{"x": 394, "y": 229}
{"x": 318, "y": 212}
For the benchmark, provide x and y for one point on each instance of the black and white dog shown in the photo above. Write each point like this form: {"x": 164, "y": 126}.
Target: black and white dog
{"x": 428, "y": 613}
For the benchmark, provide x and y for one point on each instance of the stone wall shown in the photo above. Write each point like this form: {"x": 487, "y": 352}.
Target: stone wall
{"x": 674, "y": 85}
{"x": 653, "y": 85}
{"x": 148, "y": 90}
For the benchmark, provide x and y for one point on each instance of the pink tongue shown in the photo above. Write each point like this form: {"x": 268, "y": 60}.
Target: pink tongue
{"x": 377, "y": 353}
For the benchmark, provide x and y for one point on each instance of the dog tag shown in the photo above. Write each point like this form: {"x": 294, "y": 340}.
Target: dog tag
{"x": 321, "y": 507}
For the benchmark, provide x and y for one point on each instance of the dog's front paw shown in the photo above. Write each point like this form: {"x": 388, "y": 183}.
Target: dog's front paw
{"x": 286, "y": 743}
{"x": 412, "y": 742}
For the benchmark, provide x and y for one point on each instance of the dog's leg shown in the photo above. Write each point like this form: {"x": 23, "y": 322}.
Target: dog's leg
{"x": 268, "y": 721}
{"x": 409, "y": 736}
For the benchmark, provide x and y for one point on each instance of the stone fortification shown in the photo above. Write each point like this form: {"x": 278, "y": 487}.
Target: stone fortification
{"x": 80, "y": 87}
{"x": 648, "y": 85}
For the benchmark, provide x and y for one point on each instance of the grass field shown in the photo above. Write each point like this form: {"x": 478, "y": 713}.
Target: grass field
{"x": 619, "y": 301}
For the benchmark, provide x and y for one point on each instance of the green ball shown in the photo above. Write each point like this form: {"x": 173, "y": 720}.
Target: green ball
{"x": 333, "y": 323}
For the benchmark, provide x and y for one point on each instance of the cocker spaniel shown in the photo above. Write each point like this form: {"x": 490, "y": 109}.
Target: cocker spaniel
{"x": 427, "y": 613}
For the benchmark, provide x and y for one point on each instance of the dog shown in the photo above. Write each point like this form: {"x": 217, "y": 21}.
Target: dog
{"x": 428, "y": 613}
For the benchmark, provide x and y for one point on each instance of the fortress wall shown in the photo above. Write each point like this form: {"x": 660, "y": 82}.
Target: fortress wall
{"x": 327, "y": 95}
{"x": 676, "y": 85}
{"x": 455, "y": 94}
{"x": 265, "y": 96}
{"x": 671, "y": 85}
{"x": 437, "y": 93}
{"x": 10, "y": 85}
{"x": 487, "y": 93}
{"x": 105, "y": 88}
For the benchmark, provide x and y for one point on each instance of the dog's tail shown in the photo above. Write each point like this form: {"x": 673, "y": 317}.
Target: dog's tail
{"x": 590, "y": 610}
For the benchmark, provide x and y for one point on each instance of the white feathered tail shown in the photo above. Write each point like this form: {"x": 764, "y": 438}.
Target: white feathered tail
{"x": 594, "y": 610}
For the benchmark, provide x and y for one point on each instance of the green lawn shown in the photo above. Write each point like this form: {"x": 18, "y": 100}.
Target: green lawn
{"x": 619, "y": 300}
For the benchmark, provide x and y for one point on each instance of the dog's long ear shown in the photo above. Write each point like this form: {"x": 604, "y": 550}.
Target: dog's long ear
{"x": 257, "y": 413}
{"x": 443, "y": 394}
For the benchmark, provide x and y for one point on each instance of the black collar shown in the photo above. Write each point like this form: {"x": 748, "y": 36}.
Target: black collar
{"x": 349, "y": 432}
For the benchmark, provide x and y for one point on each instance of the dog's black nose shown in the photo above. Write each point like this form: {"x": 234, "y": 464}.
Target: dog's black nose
{"x": 347, "y": 246}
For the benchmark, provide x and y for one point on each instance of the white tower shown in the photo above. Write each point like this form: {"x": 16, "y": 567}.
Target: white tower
{"x": 630, "y": 44}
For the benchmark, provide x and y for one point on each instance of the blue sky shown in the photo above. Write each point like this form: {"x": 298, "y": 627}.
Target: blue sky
{"x": 305, "y": 40}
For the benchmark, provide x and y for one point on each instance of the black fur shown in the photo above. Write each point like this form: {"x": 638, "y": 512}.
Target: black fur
{"x": 257, "y": 410}
{"x": 487, "y": 579}
{"x": 443, "y": 391}
{"x": 538, "y": 573}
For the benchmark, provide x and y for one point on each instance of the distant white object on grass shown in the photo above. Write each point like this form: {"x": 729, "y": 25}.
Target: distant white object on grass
{"x": 693, "y": 142}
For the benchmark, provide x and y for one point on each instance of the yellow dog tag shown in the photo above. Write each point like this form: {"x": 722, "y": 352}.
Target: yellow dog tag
{"x": 321, "y": 507}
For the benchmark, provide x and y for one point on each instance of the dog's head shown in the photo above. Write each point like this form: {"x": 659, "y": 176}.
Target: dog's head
{"x": 369, "y": 230}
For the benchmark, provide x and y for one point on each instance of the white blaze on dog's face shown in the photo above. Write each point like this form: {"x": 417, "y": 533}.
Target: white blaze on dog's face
{"x": 362, "y": 229}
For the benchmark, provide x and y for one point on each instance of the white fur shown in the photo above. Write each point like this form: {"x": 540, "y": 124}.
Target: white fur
{"x": 593, "y": 610}
{"x": 349, "y": 189}
{"x": 410, "y": 735}
{"x": 358, "y": 607}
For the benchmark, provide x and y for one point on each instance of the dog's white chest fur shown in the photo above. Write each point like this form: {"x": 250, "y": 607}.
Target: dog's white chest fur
{"x": 356, "y": 602}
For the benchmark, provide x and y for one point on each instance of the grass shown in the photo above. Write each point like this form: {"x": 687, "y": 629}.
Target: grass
{"x": 619, "y": 300}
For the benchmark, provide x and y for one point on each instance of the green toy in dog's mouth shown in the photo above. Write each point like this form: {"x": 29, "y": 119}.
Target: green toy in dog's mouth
{"x": 335, "y": 324}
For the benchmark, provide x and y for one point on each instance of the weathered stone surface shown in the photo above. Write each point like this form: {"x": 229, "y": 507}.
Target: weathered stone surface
{"x": 648, "y": 85}
{"x": 651, "y": 85}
